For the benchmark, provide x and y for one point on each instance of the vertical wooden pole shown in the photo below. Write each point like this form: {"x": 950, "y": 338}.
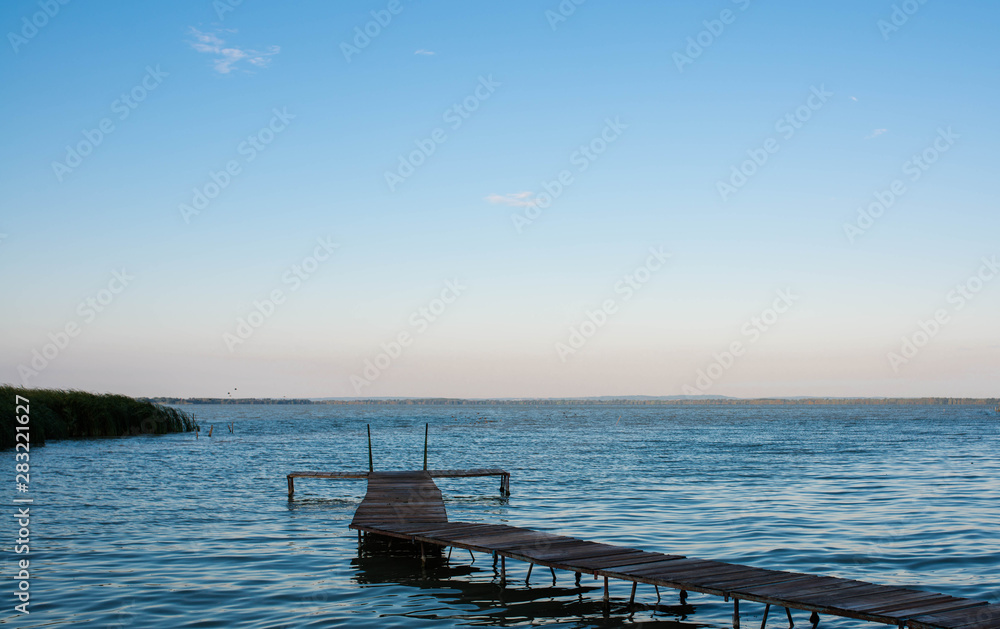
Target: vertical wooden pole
{"x": 371, "y": 465}
{"x": 631, "y": 598}
{"x": 503, "y": 571}
{"x": 553, "y": 570}
{"x": 607, "y": 597}
{"x": 426, "y": 428}
{"x": 528, "y": 578}
{"x": 291, "y": 486}
{"x": 788, "y": 613}
{"x": 763, "y": 621}
{"x": 736, "y": 613}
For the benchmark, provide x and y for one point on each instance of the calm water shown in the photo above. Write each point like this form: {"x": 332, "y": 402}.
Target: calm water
{"x": 172, "y": 532}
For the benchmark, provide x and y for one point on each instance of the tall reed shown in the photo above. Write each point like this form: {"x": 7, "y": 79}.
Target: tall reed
{"x": 70, "y": 414}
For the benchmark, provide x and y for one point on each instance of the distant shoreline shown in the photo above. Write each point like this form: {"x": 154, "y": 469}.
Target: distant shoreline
{"x": 601, "y": 401}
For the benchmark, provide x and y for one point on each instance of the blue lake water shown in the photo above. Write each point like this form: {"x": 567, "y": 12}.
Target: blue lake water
{"x": 170, "y": 531}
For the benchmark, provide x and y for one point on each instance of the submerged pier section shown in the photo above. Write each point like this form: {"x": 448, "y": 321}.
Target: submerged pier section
{"x": 408, "y": 505}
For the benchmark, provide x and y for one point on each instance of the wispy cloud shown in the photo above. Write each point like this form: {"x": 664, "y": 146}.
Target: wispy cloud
{"x": 516, "y": 199}
{"x": 875, "y": 133}
{"x": 228, "y": 57}
{"x": 424, "y": 52}
{"x": 854, "y": 98}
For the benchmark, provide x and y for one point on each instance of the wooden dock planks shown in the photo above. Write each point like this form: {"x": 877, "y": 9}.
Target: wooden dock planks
{"x": 401, "y": 498}
{"x": 408, "y": 505}
{"x": 980, "y": 617}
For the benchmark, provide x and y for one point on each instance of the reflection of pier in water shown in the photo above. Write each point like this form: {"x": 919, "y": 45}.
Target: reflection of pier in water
{"x": 448, "y": 581}
{"x": 406, "y": 509}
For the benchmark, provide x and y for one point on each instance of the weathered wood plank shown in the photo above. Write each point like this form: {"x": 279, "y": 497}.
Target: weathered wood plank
{"x": 677, "y": 564}
{"x": 761, "y": 577}
{"x": 916, "y": 608}
{"x": 980, "y": 617}
{"x": 778, "y": 589}
{"x": 624, "y": 559}
{"x": 874, "y": 600}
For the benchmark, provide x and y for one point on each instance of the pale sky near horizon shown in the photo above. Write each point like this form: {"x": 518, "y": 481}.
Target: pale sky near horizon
{"x": 540, "y": 199}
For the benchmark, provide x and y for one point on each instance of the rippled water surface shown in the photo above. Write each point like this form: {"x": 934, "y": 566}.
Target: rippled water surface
{"x": 170, "y": 531}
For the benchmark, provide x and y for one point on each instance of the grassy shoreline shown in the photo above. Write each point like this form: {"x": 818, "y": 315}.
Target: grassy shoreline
{"x": 69, "y": 414}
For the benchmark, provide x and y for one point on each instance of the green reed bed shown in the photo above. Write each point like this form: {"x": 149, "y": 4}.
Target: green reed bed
{"x": 61, "y": 414}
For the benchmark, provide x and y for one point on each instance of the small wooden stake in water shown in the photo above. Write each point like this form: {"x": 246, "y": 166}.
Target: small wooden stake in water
{"x": 371, "y": 465}
{"x": 426, "y": 428}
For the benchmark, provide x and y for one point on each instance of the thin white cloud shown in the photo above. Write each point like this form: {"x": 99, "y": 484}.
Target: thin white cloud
{"x": 424, "y": 52}
{"x": 875, "y": 133}
{"x": 227, "y": 57}
{"x": 516, "y": 199}
{"x": 854, "y": 98}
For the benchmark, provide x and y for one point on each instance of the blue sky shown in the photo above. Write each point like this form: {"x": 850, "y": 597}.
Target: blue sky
{"x": 660, "y": 136}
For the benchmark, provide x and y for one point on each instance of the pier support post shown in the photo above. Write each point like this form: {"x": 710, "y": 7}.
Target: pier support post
{"x": 553, "y": 571}
{"x": 528, "y": 578}
{"x": 763, "y": 622}
{"x": 814, "y": 619}
{"x": 607, "y": 597}
{"x": 577, "y": 579}
{"x": 736, "y": 613}
{"x": 631, "y": 598}
{"x": 684, "y": 597}
{"x": 788, "y": 613}
{"x": 371, "y": 463}
{"x": 503, "y": 571}
{"x": 291, "y": 486}
{"x": 657, "y": 593}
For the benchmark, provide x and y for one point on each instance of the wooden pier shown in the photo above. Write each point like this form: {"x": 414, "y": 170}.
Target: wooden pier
{"x": 408, "y": 506}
